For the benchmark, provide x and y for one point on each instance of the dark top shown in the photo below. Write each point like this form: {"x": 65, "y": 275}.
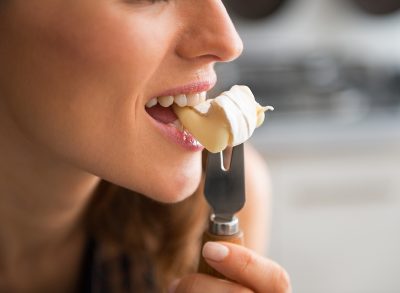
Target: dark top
{"x": 119, "y": 274}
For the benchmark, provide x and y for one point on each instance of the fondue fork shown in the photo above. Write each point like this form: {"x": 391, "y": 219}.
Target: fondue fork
{"x": 224, "y": 191}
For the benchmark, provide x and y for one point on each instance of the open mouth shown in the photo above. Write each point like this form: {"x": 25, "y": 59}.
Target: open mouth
{"x": 161, "y": 110}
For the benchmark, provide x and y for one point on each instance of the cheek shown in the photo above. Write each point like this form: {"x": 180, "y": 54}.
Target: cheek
{"x": 76, "y": 75}
{"x": 113, "y": 46}
{"x": 81, "y": 85}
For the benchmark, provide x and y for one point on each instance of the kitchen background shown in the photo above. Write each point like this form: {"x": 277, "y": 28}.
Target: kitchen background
{"x": 331, "y": 69}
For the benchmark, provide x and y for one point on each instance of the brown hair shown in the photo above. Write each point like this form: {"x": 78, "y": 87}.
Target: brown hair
{"x": 165, "y": 235}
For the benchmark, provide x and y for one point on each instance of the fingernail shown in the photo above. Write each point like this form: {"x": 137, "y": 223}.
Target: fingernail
{"x": 215, "y": 251}
{"x": 172, "y": 287}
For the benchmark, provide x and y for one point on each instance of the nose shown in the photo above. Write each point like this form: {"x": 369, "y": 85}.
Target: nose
{"x": 208, "y": 32}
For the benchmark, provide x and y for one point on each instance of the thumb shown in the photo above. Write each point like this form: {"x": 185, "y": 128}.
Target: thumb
{"x": 245, "y": 267}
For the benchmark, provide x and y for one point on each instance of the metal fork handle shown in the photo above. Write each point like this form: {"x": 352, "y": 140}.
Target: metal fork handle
{"x": 223, "y": 227}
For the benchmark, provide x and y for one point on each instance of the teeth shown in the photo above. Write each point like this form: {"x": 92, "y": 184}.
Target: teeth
{"x": 166, "y": 101}
{"x": 193, "y": 99}
{"x": 181, "y": 100}
{"x": 151, "y": 103}
{"x": 203, "y": 96}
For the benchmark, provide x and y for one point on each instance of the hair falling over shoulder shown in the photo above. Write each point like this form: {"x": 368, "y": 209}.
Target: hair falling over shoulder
{"x": 164, "y": 237}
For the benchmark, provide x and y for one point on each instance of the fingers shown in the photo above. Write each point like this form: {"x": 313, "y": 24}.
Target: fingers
{"x": 199, "y": 283}
{"x": 249, "y": 271}
{"x": 247, "y": 268}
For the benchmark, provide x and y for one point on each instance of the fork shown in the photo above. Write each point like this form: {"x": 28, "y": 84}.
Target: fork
{"x": 224, "y": 191}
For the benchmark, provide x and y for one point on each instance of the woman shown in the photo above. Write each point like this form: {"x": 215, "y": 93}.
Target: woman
{"x": 77, "y": 140}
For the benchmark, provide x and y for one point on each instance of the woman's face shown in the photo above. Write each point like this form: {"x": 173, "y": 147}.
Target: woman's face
{"x": 76, "y": 75}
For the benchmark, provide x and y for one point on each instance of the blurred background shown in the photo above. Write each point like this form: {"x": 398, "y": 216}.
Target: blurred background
{"x": 331, "y": 69}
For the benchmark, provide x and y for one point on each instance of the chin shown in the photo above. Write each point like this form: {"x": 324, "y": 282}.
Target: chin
{"x": 177, "y": 191}
{"x": 165, "y": 186}
{"x": 177, "y": 182}
{"x": 175, "y": 178}
{"x": 173, "y": 187}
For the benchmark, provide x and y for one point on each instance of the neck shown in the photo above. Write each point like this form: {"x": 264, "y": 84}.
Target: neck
{"x": 42, "y": 200}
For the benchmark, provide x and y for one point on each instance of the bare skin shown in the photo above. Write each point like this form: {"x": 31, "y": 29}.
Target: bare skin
{"x": 41, "y": 201}
{"x": 74, "y": 81}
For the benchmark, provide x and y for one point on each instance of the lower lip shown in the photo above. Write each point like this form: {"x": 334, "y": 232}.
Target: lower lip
{"x": 182, "y": 138}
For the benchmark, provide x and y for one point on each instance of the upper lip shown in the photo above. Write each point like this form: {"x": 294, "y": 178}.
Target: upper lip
{"x": 189, "y": 88}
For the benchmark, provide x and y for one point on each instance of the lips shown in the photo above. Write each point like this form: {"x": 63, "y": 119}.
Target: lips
{"x": 168, "y": 123}
{"x": 161, "y": 111}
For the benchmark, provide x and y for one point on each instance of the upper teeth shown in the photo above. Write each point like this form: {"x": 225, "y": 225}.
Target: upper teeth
{"x": 181, "y": 100}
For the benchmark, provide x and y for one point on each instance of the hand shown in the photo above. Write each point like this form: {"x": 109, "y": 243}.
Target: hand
{"x": 247, "y": 271}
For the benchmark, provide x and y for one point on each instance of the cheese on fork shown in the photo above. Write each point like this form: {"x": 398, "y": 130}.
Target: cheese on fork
{"x": 228, "y": 120}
